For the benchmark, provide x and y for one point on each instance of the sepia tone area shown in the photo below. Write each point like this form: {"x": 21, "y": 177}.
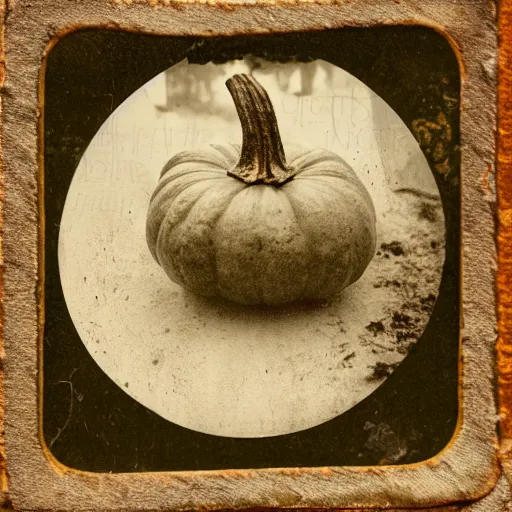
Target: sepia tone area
{"x": 497, "y": 497}
{"x": 90, "y": 423}
{"x": 248, "y": 371}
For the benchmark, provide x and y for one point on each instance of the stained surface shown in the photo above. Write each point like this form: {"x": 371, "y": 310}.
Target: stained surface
{"x": 89, "y": 423}
{"x": 505, "y": 234}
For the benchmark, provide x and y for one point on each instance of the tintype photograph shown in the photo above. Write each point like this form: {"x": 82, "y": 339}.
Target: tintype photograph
{"x": 254, "y": 256}
{"x": 251, "y": 247}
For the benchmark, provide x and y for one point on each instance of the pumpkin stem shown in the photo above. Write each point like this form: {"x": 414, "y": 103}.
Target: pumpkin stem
{"x": 262, "y": 158}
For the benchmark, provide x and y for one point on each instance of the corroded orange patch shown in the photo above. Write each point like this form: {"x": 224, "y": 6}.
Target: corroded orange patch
{"x": 504, "y": 180}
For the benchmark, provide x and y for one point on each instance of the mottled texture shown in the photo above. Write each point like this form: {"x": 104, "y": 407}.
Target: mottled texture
{"x": 466, "y": 470}
{"x": 505, "y": 225}
{"x": 258, "y": 244}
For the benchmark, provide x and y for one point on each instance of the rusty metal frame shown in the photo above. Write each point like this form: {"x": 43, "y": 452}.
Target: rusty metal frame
{"x": 469, "y": 469}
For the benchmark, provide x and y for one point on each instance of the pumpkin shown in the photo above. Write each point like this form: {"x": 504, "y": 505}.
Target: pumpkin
{"x": 246, "y": 224}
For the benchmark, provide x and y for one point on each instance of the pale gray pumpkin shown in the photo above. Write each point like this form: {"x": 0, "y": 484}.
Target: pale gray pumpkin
{"x": 249, "y": 226}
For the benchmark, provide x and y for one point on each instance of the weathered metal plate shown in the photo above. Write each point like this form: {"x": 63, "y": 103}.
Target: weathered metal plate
{"x": 466, "y": 470}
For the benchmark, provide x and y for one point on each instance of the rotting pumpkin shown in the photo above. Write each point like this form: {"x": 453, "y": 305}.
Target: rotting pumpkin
{"x": 245, "y": 224}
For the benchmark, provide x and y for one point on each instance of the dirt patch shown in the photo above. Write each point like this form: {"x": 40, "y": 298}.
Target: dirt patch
{"x": 408, "y": 276}
{"x": 381, "y": 371}
{"x": 394, "y": 248}
{"x": 375, "y": 327}
{"x": 428, "y": 212}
